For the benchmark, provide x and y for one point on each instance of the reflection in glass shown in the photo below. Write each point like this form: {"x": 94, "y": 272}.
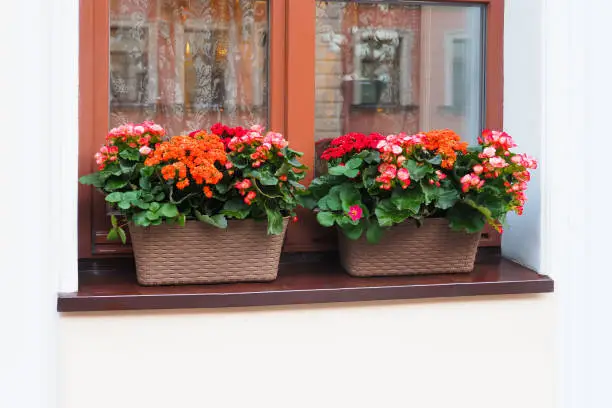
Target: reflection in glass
{"x": 397, "y": 67}
{"x": 188, "y": 64}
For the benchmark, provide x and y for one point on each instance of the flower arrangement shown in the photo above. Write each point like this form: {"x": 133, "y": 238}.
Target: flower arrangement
{"x": 210, "y": 176}
{"x": 377, "y": 181}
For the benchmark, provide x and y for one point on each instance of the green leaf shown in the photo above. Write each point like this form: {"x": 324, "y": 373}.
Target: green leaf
{"x": 333, "y": 199}
{"x": 297, "y": 185}
{"x": 417, "y": 172}
{"x": 349, "y": 196}
{"x": 296, "y": 163}
{"x": 239, "y": 162}
{"x": 409, "y": 199}
{"x": 352, "y": 231}
{"x": 112, "y": 234}
{"x": 140, "y": 218}
{"x": 322, "y": 204}
{"x": 181, "y": 219}
{"x": 374, "y": 232}
{"x": 154, "y": 207}
{"x": 130, "y": 154}
{"x": 121, "y": 233}
{"x": 350, "y": 173}
{"x": 124, "y": 205}
{"x": 431, "y": 192}
{"x": 337, "y": 170}
{"x": 388, "y": 214}
{"x": 267, "y": 179}
{"x": 222, "y": 188}
{"x": 217, "y": 220}
{"x": 372, "y": 156}
{"x": 354, "y": 163}
{"x": 144, "y": 183}
{"x": 436, "y": 160}
{"x": 152, "y": 216}
{"x": 160, "y": 196}
{"x": 114, "y": 183}
{"x": 114, "y": 197}
{"x": 131, "y": 195}
{"x": 236, "y": 208}
{"x": 462, "y": 217}
{"x": 326, "y": 218}
{"x": 147, "y": 171}
{"x": 283, "y": 169}
{"x": 306, "y": 201}
{"x": 141, "y": 204}
{"x": 275, "y": 222}
{"x": 92, "y": 179}
{"x": 168, "y": 210}
{"x": 447, "y": 197}
{"x": 113, "y": 221}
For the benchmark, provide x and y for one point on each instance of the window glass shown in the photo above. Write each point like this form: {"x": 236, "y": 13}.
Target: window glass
{"x": 188, "y": 64}
{"x": 397, "y": 67}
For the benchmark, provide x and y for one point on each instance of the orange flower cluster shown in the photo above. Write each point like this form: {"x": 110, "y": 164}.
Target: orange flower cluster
{"x": 186, "y": 156}
{"x": 446, "y": 143}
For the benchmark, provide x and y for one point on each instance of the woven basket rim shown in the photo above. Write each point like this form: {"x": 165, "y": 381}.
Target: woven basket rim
{"x": 193, "y": 220}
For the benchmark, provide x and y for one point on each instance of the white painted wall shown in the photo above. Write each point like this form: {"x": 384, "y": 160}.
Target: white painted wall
{"x": 460, "y": 353}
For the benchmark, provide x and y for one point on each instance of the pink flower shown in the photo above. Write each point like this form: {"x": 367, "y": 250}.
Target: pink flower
{"x": 145, "y": 150}
{"x": 516, "y": 159}
{"x": 498, "y": 162}
{"x": 229, "y": 165}
{"x": 478, "y": 169}
{"x": 139, "y": 130}
{"x": 157, "y": 129}
{"x": 403, "y": 174}
{"x": 489, "y": 151}
{"x": 355, "y": 213}
{"x": 400, "y": 160}
{"x": 441, "y": 176}
{"x": 257, "y": 128}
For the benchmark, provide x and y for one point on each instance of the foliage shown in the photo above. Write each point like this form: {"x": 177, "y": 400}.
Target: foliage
{"x": 374, "y": 182}
{"x": 228, "y": 173}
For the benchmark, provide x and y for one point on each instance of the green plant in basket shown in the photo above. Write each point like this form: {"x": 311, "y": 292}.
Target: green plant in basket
{"x": 206, "y": 176}
{"x": 374, "y": 182}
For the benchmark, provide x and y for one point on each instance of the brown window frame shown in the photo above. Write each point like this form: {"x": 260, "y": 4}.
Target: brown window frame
{"x": 292, "y": 107}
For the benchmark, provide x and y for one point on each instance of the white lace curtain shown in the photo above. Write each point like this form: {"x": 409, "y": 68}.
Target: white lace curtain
{"x": 188, "y": 64}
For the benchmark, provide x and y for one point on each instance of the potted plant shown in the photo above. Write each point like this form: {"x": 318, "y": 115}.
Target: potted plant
{"x": 415, "y": 204}
{"x": 207, "y": 207}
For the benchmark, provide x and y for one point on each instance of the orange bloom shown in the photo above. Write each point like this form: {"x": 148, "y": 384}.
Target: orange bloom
{"x": 182, "y": 184}
{"x": 194, "y": 158}
{"x": 168, "y": 172}
{"x": 207, "y": 191}
{"x": 446, "y": 143}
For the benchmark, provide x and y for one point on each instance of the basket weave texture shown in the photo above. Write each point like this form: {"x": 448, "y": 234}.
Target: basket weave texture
{"x": 406, "y": 249}
{"x": 200, "y": 253}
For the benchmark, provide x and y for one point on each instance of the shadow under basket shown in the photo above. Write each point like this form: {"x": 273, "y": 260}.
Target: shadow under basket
{"x": 406, "y": 249}
{"x": 200, "y": 253}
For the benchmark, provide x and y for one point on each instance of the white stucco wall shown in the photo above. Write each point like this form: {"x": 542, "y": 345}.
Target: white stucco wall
{"x": 472, "y": 353}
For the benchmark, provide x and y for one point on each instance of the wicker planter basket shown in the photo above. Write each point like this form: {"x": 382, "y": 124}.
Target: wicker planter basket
{"x": 406, "y": 249}
{"x": 200, "y": 253}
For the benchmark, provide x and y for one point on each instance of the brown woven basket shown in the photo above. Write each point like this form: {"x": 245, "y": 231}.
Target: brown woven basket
{"x": 200, "y": 253}
{"x": 406, "y": 249}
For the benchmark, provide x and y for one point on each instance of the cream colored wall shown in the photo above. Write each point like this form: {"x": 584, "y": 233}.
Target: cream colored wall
{"x": 471, "y": 352}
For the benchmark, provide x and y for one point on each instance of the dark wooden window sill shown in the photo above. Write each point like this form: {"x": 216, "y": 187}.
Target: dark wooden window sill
{"x": 110, "y": 284}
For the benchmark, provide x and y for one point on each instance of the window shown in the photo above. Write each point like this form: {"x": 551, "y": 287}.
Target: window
{"x": 310, "y": 69}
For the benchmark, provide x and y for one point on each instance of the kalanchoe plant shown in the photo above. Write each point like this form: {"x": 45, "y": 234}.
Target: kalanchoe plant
{"x": 374, "y": 182}
{"x": 261, "y": 177}
{"x": 209, "y": 176}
